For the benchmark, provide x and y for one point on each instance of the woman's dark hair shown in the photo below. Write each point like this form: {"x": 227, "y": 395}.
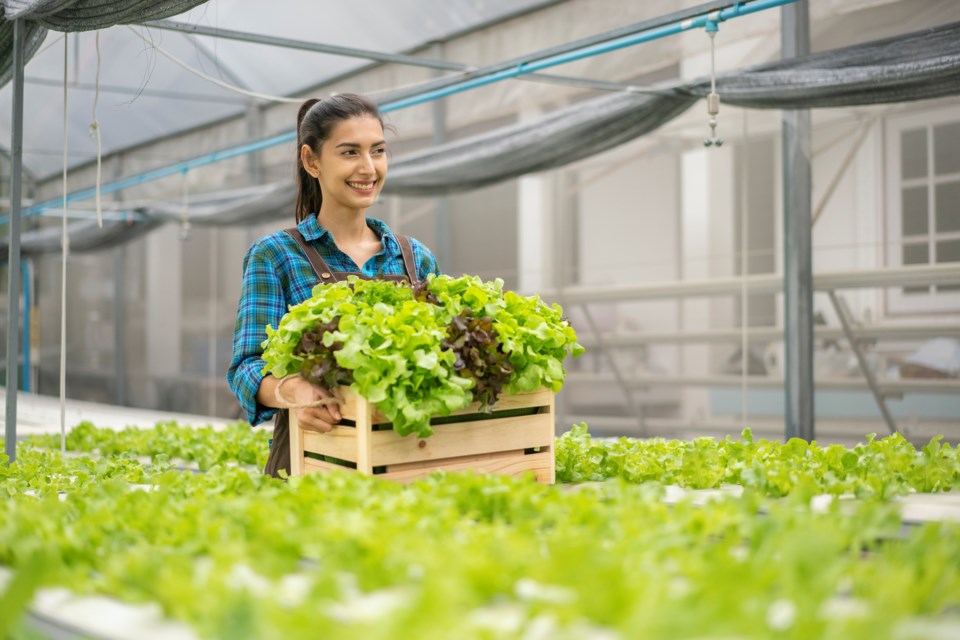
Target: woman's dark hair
{"x": 315, "y": 122}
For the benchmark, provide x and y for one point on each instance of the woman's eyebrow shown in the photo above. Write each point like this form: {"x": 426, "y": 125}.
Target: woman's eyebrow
{"x": 357, "y": 146}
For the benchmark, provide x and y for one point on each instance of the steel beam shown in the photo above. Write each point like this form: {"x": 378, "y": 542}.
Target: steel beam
{"x": 931, "y": 274}
{"x": 844, "y": 314}
{"x": 13, "y": 261}
{"x": 378, "y": 56}
{"x": 890, "y": 387}
{"x": 672, "y": 24}
{"x": 771, "y": 334}
{"x": 797, "y": 241}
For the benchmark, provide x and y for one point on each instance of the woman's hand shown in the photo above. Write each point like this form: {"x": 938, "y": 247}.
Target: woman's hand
{"x": 297, "y": 391}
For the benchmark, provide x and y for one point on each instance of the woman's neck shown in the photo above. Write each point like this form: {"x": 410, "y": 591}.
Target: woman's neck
{"x": 345, "y": 226}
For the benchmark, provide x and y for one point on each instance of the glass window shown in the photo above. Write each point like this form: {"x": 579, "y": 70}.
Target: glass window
{"x": 924, "y": 204}
{"x": 915, "y": 211}
{"x": 948, "y": 251}
{"x": 946, "y": 148}
{"x": 913, "y": 153}
{"x": 916, "y": 254}
{"x": 947, "y": 216}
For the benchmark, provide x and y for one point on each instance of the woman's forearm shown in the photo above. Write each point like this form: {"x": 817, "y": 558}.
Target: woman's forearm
{"x": 267, "y": 393}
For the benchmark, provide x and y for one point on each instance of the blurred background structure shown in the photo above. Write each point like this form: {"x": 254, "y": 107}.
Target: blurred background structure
{"x": 667, "y": 255}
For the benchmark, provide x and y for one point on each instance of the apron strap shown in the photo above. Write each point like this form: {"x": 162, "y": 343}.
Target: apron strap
{"x": 324, "y": 273}
{"x": 407, "y": 250}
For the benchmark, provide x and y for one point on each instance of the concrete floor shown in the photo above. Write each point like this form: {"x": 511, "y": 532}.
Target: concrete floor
{"x": 38, "y": 414}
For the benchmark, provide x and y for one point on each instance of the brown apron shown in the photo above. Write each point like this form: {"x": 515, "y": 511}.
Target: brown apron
{"x": 280, "y": 446}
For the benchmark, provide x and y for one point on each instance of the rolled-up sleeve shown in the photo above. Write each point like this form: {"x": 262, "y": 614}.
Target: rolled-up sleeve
{"x": 262, "y": 302}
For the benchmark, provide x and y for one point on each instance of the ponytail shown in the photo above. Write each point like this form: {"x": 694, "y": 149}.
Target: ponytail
{"x": 309, "y": 197}
{"x": 315, "y": 122}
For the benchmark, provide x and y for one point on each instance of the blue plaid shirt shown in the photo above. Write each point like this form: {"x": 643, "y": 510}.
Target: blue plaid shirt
{"x": 276, "y": 275}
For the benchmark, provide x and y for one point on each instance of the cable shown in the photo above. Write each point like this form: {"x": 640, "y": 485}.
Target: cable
{"x": 208, "y": 78}
{"x": 744, "y": 302}
{"x": 64, "y": 243}
{"x": 95, "y": 133}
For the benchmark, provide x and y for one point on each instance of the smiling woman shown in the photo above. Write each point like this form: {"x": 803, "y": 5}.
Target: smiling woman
{"x": 341, "y": 167}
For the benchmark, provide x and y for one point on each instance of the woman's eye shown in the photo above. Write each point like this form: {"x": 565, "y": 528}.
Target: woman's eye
{"x": 379, "y": 151}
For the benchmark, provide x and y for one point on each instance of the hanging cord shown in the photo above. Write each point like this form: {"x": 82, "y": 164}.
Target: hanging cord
{"x": 713, "y": 99}
{"x": 65, "y": 247}
{"x": 185, "y": 210}
{"x": 744, "y": 302}
{"x": 286, "y": 404}
{"x": 95, "y": 133}
{"x": 220, "y": 83}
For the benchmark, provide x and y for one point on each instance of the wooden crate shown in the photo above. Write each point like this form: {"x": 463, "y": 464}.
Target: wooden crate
{"x": 493, "y": 443}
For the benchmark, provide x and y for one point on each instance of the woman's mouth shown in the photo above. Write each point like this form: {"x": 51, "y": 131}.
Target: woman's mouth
{"x": 363, "y": 187}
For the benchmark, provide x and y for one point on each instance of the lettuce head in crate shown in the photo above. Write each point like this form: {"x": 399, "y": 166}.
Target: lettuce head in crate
{"x": 424, "y": 350}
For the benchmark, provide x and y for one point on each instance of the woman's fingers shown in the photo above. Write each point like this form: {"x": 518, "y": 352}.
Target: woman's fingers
{"x": 316, "y": 419}
{"x": 321, "y": 418}
{"x": 306, "y": 393}
{"x": 333, "y": 409}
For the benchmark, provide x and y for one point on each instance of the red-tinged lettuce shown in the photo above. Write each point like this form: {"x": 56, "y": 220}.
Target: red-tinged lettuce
{"x": 479, "y": 356}
{"x": 534, "y": 335}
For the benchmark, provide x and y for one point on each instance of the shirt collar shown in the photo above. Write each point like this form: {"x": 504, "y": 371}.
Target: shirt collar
{"x": 311, "y": 230}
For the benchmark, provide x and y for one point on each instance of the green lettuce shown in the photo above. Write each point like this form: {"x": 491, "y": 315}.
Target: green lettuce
{"x": 424, "y": 351}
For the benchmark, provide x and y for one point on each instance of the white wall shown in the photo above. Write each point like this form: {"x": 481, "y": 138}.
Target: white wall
{"x": 629, "y": 233}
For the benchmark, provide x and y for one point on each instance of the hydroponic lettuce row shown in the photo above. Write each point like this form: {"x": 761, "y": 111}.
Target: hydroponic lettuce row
{"x": 423, "y": 352}
{"x": 242, "y": 556}
{"x": 168, "y": 441}
{"x": 878, "y": 468}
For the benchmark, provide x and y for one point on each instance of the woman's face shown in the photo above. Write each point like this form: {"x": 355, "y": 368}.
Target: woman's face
{"x": 351, "y": 165}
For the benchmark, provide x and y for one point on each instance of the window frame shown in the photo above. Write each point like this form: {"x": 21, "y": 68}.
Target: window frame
{"x": 898, "y": 302}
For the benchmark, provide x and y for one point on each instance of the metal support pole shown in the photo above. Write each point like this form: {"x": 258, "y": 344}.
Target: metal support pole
{"x": 621, "y": 381}
{"x": 797, "y": 241}
{"x": 25, "y": 339}
{"x": 13, "y": 262}
{"x": 254, "y": 122}
{"x": 119, "y": 307}
{"x": 843, "y": 313}
{"x": 119, "y": 326}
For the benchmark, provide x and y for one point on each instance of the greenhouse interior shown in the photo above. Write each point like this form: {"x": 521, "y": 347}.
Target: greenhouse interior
{"x": 651, "y": 330}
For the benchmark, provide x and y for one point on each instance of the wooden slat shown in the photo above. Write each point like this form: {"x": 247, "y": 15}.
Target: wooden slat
{"x": 312, "y": 465}
{"x": 551, "y": 471}
{"x": 364, "y": 429}
{"x": 512, "y": 463}
{"x": 349, "y": 402}
{"x": 340, "y": 442}
{"x": 537, "y": 398}
{"x": 464, "y": 439}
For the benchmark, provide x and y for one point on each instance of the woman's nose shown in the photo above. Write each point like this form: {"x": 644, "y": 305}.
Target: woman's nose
{"x": 367, "y": 163}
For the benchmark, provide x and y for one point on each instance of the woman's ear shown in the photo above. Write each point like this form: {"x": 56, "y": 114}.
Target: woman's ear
{"x": 309, "y": 160}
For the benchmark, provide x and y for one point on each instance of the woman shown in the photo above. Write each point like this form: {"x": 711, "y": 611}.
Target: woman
{"x": 341, "y": 166}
